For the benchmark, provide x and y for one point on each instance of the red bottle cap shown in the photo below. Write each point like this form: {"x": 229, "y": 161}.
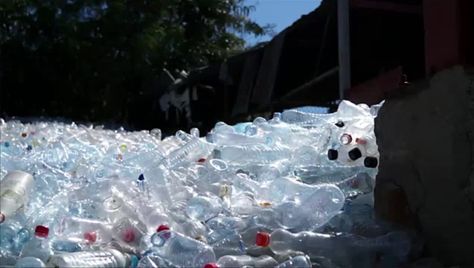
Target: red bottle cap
{"x": 2, "y": 217}
{"x": 211, "y": 265}
{"x": 162, "y": 227}
{"x": 262, "y": 239}
{"x": 91, "y": 237}
{"x": 201, "y": 160}
{"x": 128, "y": 235}
{"x": 41, "y": 231}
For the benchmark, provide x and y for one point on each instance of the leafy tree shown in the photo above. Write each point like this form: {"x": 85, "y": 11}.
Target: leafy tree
{"x": 94, "y": 60}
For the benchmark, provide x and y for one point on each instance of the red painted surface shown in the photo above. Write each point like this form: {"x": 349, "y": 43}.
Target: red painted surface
{"x": 443, "y": 35}
{"x": 449, "y": 41}
{"x": 375, "y": 90}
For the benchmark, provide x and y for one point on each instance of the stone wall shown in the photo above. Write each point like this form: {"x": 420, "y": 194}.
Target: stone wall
{"x": 426, "y": 175}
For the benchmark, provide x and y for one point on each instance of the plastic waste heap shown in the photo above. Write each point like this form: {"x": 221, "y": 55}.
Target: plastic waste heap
{"x": 295, "y": 190}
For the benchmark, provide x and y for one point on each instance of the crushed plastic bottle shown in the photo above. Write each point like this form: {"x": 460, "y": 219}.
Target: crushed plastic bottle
{"x": 296, "y": 262}
{"x": 344, "y": 249}
{"x": 230, "y": 261}
{"x": 97, "y": 195}
{"x": 14, "y": 191}
{"x": 39, "y": 247}
{"x": 180, "y": 250}
{"x": 97, "y": 259}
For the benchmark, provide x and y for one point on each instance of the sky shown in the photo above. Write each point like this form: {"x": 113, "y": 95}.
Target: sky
{"x": 281, "y": 13}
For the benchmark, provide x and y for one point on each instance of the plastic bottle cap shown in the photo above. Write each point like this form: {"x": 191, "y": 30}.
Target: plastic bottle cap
{"x": 211, "y": 265}
{"x": 91, "y": 237}
{"x": 134, "y": 261}
{"x": 332, "y": 154}
{"x": 128, "y": 235}
{"x": 355, "y": 154}
{"x": 361, "y": 141}
{"x": 41, "y": 231}
{"x": 201, "y": 160}
{"x": 371, "y": 162}
{"x": 340, "y": 123}
{"x": 141, "y": 177}
{"x": 346, "y": 139}
{"x": 2, "y": 217}
{"x": 262, "y": 239}
{"x": 162, "y": 227}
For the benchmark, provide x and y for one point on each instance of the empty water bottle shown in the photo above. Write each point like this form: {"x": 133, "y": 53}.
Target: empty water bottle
{"x": 343, "y": 249}
{"x": 296, "y": 262}
{"x": 231, "y": 261}
{"x": 39, "y": 247}
{"x": 102, "y": 193}
{"x": 180, "y": 250}
{"x": 203, "y": 208}
{"x": 29, "y": 262}
{"x": 15, "y": 188}
{"x": 94, "y": 259}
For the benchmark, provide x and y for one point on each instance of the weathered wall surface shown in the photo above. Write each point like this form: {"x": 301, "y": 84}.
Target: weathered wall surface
{"x": 426, "y": 176}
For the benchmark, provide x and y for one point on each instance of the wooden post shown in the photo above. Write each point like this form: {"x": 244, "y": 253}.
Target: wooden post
{"x": 343, "y": 33}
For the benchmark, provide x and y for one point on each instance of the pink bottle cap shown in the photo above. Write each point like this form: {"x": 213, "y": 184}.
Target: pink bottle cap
{"x": 262, "y": 239}
{"x": 128, "y": 235}
{"x": 211, "y": 265}
{"x": 41, "y": 231}
{"x": 91, "y": 237}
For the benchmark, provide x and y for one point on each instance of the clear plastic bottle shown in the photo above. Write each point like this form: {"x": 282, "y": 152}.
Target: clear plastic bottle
{"x": 39, "y": 247}
{"x": 181, "y": 250}
{"x": 312, "y": 205}
{"x": 296, "y": 262}
{"x": 107, "y": 258}
{"x": 232, "y": 261}
{"x": 12, "y": 237}
{"x": 252, "y": 154}
{"x": 229, "y": 243}
{"x": 93, "y": 231}
{"x": 29, "y": 262}
{"x": 67, "y": 245}
{"x": 154, "y": 261}
{"x": 14, "y": 191}
{"x": 193, "y": 149}
{"x": 343, "y": 249}
{"x": 361, "y": 183}
{"x": 203, "y": 208}
{"x": 326, "y": 173}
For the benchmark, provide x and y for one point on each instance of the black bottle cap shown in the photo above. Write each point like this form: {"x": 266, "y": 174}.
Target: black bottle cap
{"x": 355, "y": 154}
{"x": 340, "y": 123}
{"x": 332, "y": 154}
{"x": 371, "y": 162}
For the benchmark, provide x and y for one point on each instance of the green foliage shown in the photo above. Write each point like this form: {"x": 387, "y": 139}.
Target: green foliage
{"x": 95, "y": 59}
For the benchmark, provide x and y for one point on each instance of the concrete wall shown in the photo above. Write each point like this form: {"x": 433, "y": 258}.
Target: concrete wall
{"x": 426, "y": 180}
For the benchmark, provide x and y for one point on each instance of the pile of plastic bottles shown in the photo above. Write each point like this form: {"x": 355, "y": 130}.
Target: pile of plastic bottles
{"x": 292, "y": 191}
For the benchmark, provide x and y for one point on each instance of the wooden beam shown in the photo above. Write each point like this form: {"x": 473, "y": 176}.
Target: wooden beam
{"x": 387, "y": 6}
{"x": 344, "y": 40}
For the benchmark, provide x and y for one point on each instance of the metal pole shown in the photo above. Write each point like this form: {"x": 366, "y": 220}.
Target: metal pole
{"x": 343, "y": 33}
